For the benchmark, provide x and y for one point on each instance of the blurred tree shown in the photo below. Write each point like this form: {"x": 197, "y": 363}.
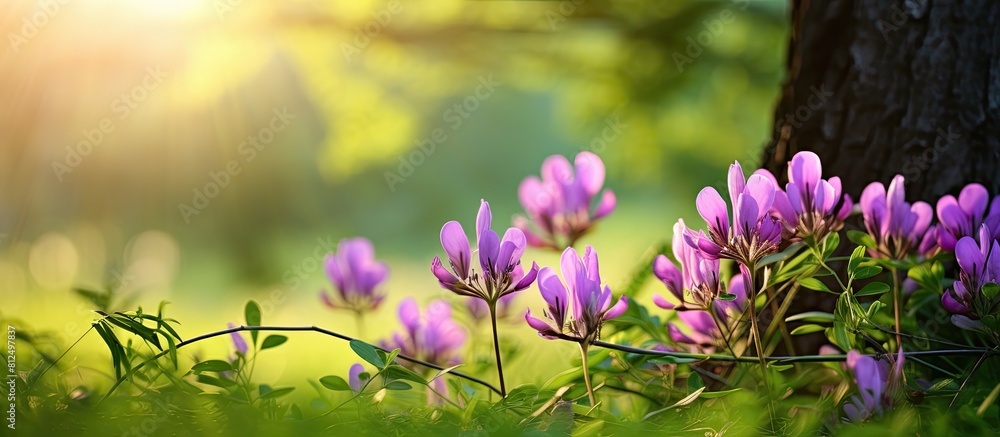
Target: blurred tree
{"x": 880, "y": 88}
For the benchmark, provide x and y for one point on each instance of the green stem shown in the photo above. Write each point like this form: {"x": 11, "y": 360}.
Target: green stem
{"x": 586, "y": 373}
{"x": 896, "y": 306}
{"x": 496, "y": 347}
{"x": 755, "y": 332}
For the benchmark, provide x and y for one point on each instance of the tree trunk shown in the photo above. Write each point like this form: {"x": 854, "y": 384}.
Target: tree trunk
{"x": 878, "y": 88}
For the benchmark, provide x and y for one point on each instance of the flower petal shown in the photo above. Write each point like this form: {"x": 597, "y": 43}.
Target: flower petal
{"x": 618, "y": 309}
{"x": 589, "y": 172}
{"x": 762, "y": 191}
{"x": 483, "y": 219}
{"x": 607, "y": 204}
{"x": 670, "y": 275}
{"x": 352, "y": 377}
{"x": 489, "y": 251}
{"x": 805, "y": 170}
{"x": 712, "y": 208}
{"x": 456, "y": 245}
{"x": 973, "y": 199}
{"x": 511, "y": 248}
{"x": 409, "y": 313}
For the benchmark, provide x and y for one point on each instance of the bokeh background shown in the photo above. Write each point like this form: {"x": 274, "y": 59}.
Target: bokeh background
{"x": 667, "y": 93}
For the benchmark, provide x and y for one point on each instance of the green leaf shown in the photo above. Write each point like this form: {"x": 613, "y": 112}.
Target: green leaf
{"x": 857, "y": 257}
{"x": 367, "y": 353}
{"x": 688, "y": 399}
{"x": 398, "y": 372}
{"x": 276, "y": 393}
{"x": 726, "y": 297}
{"x": 789, "y": 251}
{"x": 873, "y": 288}
{"x": 865, "y": 272}
{"x": 990, "y": 290}
{"x": 830, "y": 245}
{"x": 779, "y": 367}
{"x": 666, "y": 359}
{"x": 445, "y": 371}
{"x": 212, "y": 366}
{"x": 814, "y": 284}
{"x": 807, "y": 329}
{"x": 213, "y": 381}
{"x": 252, "y": 314}
{"x": 335, "y": 383}
{"x": 811, "y": 316}
{"x": 718, "y": 394}
{"x": 694, "y": 382}
{"x": 273, "y": 341}
{"x": 861, "y": 239}
{"x": 101, "y": 300}
{"x": 992, "y": 397}
{"x": 397, "y": 385}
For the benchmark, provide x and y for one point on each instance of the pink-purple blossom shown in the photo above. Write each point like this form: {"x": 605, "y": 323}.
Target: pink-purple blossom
{"x": 752, "y": 234}
{"x": 878, "y": 383}
{"x": 979, "y": 264}
{"x": 963, "y": 216}
{"x": 355, "y": 275}
{"x": 432, "y": 336}
{"x": 809, "y": 206}
{"x": 578, "y": 304}
{"x": 560, "y": 206}
{"x": 896, "y": 226}
{"x": 500, "y": 272}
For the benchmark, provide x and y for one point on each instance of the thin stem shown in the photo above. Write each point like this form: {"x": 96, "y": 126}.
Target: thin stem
{"x": 328, "y": 332}
{"x": 896, "y": 306}
{"x": 496, "y": 347}
{"x": 54, "y": 362}
{"x": 755, "y": 332}
{"x": 586, "y": 373}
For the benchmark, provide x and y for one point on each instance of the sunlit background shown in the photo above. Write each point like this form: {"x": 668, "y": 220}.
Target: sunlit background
{"x": 117, "y": 116}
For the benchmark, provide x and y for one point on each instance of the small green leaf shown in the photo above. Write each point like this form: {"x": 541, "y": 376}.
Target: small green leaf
{"x": 213, "y": 381}
{"x": 857, "y": 257}
{"x": 873, "y": 288}
{"x": 212, "y": 366}
{"x": 695, "y": 382}
{"x": 273, "y": 341}
{"x": 252, "y": 314}
{"x": 811, "y": 316}
{"x": 807, "y": 329}
{"x": 395, "y": 371}
{"x": 814, "y": 284}
{"x": 792, "y": 249}
{"x": 779, "y": 367}
{"x": 830, "y": 245}
{"x": 397, "y": 385}
{"x": 666, "y": 359}
{"x": 276, "y": 393}
{"x": 718, "y": 394}
{"x": 445, "y": 371}
{"x": 865, "y": 272}
{"x": 688, "y": 399}
{"x": 726, "y": 297}
{"x": 862, "y": 239}
{"x": 990, "y": 290}
{"x": 335, "y": 383}
{"x": 367, "y": 353}
{"x": 379, "y": 396}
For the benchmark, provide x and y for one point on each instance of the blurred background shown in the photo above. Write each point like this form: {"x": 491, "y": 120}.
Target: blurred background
{"x": 207, "y": 152}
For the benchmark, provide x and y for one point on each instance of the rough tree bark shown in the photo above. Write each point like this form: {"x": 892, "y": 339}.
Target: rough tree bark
{"x": 878, "y": 88}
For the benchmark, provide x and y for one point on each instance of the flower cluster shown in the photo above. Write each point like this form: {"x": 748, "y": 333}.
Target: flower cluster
{"x": 753, "y": 233}
{"x": 809, "y": 206}
{"x": 499, "y": 260}
{"x": 979, "y": 264}
{"x": 963, "y": 216}
{"x": 560, "y": 205}
{"x": 355, "y": 275}
{"x": 897, "y": 227}
{"x": 433, "y": 336}
{"x": 878, "y": 384}
{"x": 579, "y": 307}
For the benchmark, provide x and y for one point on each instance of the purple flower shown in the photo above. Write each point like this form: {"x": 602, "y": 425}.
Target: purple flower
{"x": 591, "y": 303}
{"x": 697, "y": 275}
{"x": 561, "y": 203}
{"x": 896, "y": 226}
{"x": 877, "y": 381}
{"x": 433, "y": 336}
{"x": 979, "y": 263}
{"x": 809, "y": 206}
{"x": 479, "y": 309}
{"x": 499, "y": 260}
{"x": 962, "y": 217}
{"x": 238, "y": 342}
{"x": 355, "y": 275}
{"x": 753, "y": 234}
{"x": 353, "y": 378}
{"x": 704, "y": 330}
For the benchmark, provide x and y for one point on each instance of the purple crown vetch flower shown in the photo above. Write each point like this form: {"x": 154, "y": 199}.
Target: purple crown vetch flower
{"x": 878, "y": 383}
{"x": 433, "y": 336}
{"x": 579, "y": 307}
{"x": 698, "y": 276}
{"x": 896, "y": 226}
{"x": 561, "y": 203}
{"x": 753, "y": 234}
{"x": 809, "y": 206}
{"x": 499, "y": 260}
{"x": 354, "y": 377}
{"x": 704, "y": 331}
{"x": 979, "y": 264}
{"x": 963, "y": 216}
{"x": 356, "y": 276}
